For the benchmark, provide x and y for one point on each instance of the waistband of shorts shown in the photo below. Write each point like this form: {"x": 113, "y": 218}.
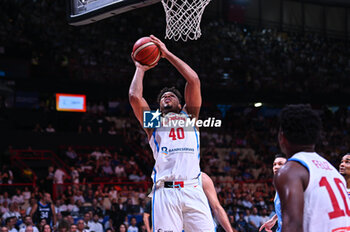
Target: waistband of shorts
{"x": 178, "y": 183}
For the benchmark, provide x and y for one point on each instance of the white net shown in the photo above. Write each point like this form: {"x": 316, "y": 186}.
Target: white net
{"x": 183, "y": 18}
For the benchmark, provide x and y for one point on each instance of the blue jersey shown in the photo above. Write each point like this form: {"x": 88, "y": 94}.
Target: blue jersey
{"x": 44, "y": 212}
{"x": 277, "y": 203}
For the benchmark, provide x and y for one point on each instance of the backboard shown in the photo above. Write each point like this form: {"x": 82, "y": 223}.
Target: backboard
{"x": 81, "y": 12}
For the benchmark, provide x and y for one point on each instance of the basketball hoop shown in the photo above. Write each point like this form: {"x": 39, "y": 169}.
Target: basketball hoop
{"x": 183, "y": 18}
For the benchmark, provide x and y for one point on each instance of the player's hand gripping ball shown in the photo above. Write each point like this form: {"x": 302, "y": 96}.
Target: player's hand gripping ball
{"x": 146, "y": 52}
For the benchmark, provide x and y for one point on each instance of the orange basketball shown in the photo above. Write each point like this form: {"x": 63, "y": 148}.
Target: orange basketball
{"x": 146, "y": 52}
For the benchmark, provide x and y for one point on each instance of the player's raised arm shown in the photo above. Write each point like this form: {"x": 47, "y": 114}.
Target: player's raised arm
{"x": 193, "y": 98}
{"x": 138, "y": 103}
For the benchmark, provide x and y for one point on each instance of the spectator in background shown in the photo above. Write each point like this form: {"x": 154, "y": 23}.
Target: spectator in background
{"x": 41, "y": 224}
{"x": 89, "y": 196}
{"x": 63, "y": 226}
{"x": 73, "y": 208}
{"x": 254, "y": 220}
{"x": 71, "y": 154}
{"x": 79, "y": 197}
{"x": 4, "y": 208}
{"x": 32, "y": 202}
{"x": 10, "y": 224}
{"x": 27, "y": 222}
{"x": 112, "y": 131}
{"x": 113, "y": 193}
{"x": 4, "y": 229}
{"x": 119, "y": 170}
{"x": 247, "y": 203}
{"x": 96, "y": 207}
{"x": 122, "y": 228}
{"x": 5, "y": 197}
{"x": 49, "y": 129}
{"x": 18, "y": 197}
{"x": 107, "y": 154}
{"x": 117, "y": 212}
{"x": 59, "y": 177}
{"x": 109, "y": 225}
{"x": 60, "y": 206}
{"x": 73, "y": 228}
{"x": 115, "y": 160}
{"x": 96, "y": 153}
{"x": 36, "y": 193}
{"x": 74, "y": 173}
{"x": 87, "y": 220}
{"x": 7, "y": 175}
{"x": 69, "y": 219}
{"x": 26, "y": 194}
{"x": 81, "y": 226}
{"x": 242, "y": 224}
{"x": 12, "y": 213}
{"x": 106, "y": 168}
{"x": 134, "y": 177}
{"x": 264, "y": 216}
{"x": 133, "y": 227}
{"x": 46, "y": 228}
{"x": 29, "y": 229}
{"x": 95, "y": 225}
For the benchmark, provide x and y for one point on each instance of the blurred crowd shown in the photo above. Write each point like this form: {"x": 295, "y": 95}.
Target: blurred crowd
{"x": 238, "y": 157}
{"x": 242, "y": 58}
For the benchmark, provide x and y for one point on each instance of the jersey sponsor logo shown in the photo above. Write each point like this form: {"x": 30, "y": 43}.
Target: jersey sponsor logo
{"x": 164, "y": 150}
{"x": 151, "y": 119}
{"x": 181, "y": 149}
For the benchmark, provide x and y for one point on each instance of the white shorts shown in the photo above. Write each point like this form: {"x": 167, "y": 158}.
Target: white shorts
{"x": 183, "y": 208}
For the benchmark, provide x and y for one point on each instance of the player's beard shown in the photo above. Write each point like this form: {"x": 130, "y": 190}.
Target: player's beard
{"x": 167, "y": 107}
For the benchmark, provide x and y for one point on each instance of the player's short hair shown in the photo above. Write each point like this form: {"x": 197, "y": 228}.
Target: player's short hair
{"x": 279, "y": 155}
{"x": 171, "y": 89}
{"x": 300, "y": 124}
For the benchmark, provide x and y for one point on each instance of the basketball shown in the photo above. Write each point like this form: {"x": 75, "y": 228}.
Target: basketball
{"x": 146, "y": 52}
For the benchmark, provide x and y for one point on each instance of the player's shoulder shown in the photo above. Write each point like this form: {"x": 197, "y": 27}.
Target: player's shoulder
{"x": 292, "y": 167}
{"x": 292, "y": 172}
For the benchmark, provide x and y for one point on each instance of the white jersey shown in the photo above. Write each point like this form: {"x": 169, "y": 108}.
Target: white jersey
{"x": 175, "y": 150}
{"x": 326, "y": 204}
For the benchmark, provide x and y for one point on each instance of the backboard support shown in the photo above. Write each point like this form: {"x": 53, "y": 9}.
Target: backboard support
{"x": 82, "y": 12}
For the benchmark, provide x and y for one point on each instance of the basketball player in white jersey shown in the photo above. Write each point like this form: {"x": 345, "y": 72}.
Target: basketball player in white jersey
{"x": 178, "y": 200}
{"x": 344, "y": 169}
{"x": 210, "y": 193}
{"x": 312, "y": 192}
